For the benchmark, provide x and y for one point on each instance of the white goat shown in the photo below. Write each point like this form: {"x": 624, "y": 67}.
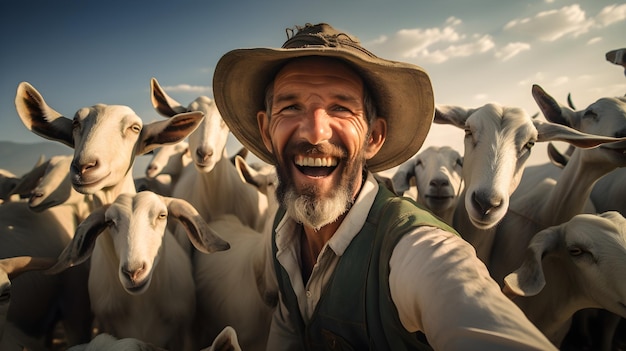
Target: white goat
{"x": 498, "y": 141}
{"x": 541, "y": 206}
{"x": 609, "y": 192}
{"x": 226, "y": 340}
{"x": 105, "y": 138}
{"x": 38, "y": 301}
{"x": 169, "y": 159}
{"x": 437, "y": 171}
{"x": 211, "y": 184}
{"x": 161, "y": 184}
{"x": 575, "y": 265}
{"x": 165, "y": 168}
{"x": 244, "y": 296}
{"x": 235, "y": 287}
{"x": 155, "y": 298}
{"x": 9, "y": 183}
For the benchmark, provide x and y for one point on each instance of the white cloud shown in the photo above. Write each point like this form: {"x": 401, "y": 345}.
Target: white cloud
{"x": 481, "y": 97}
{"x": 186, "y": 88}
{"x": 511, "y": 50}
{"x": 560, "y": 81}
{"x": 535, "y": 78}
{"x": 433, "y": 45}
{"x": 553, "y": 24}
{"x": 594, "y": 40}
{"x": 611, "y": 14}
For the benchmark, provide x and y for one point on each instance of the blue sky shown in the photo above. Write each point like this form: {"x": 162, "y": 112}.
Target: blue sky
{"x": 78, "y": 53}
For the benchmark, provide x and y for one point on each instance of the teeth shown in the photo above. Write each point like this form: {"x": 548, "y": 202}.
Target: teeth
{"x": 316, "y": 161}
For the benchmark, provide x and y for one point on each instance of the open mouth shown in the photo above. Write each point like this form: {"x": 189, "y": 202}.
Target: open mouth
{"x": 316, "y": 166}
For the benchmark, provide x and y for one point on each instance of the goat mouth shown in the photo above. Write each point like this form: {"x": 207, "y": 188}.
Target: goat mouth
{"x": 137, "y": 288}
{"x": 79, "y": 181}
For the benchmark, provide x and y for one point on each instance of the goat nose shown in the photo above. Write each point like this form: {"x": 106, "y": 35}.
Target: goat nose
{"x": 133, "y": 273}
{"x": 204, "y": 155}
{"x": 485, "y": 202}
{"x": 83, "y": 168}
{"x": 152, "y": 167}
{"x": 439, "y": 182}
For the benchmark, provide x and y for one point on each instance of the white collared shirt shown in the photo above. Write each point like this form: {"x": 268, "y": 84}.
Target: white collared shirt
{"x": 437, "y": 283}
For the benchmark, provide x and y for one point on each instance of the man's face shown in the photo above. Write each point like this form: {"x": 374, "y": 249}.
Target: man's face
{"x": 318, "y": 134}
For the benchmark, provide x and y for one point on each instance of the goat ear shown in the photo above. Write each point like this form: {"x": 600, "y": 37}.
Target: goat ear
{"x": 556, "y": 157}
{"x": 162, "y": 102}
{"x": 200, "y": 234}
{"x": 226, "y": 340}
{"x": 528, "y": 279}
{"x": 14, "y": 266}
{"x": 83, "y": 242}
{"x": 402, "y": 177}
{"x": 453, "y": 115}
{"x": 40, "y": 118}
{"x": 169, "y": 131}
{"x": 551, "y": 109}
{"x": 30, "y": 180}
{"x": 247, "y": 174}
{"x": 551, "y": 132}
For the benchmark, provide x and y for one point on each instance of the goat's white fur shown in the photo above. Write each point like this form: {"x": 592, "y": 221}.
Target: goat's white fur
{"x": 437, "y": 171}
{"x": 568, "y": 267}
{"x": 211, "y": 183}
{"x": 154, "y": 300}
{"x": 105, "y": 138}
{"x": 497, "y": 145}
{"x": 552, "y": 202}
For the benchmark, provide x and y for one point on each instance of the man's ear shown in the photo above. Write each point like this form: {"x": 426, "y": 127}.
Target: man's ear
{"x": 377, "y": 136}
{"x": 264, "y": 126}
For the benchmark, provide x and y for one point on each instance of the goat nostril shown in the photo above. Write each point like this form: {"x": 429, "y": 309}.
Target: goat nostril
{"x": 83, "y": 168}
{"x": 486, "y": 203}
{"x": 133, "y": 274}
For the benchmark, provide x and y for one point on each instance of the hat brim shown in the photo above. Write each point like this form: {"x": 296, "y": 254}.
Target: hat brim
{"x": 402, "y": 92}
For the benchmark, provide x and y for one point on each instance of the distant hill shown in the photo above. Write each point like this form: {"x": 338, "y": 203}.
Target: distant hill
{"x": 19, "y": 158}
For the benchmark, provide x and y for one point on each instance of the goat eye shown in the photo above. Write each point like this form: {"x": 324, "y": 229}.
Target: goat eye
{"x": 459, "y": 161}
{"x": 163, "y": 215}
{"x": 418, "y": 163}
{"x": 468, "y": 132}
{"x": 530, "y": 144}
{"x": 135, "y": 128}
{"x": 575, "y": 251}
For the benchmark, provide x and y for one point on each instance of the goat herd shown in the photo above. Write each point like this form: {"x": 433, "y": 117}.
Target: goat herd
{"x": 183, "y": 262}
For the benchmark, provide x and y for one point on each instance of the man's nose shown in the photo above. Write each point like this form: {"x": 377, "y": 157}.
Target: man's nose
{"x": 317, "y": 128}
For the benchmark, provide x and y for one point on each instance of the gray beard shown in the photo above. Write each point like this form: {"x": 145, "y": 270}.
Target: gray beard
{"x": 316, "y": 212}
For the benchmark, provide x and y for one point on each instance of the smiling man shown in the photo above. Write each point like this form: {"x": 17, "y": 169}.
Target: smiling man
{"x": 357, "y": 267}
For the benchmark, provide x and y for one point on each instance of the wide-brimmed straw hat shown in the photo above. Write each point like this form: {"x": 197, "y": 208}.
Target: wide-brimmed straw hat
{"x": 401, "y": 91}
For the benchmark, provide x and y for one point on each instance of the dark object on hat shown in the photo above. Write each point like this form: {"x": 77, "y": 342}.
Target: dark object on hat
{"x": 402, "y": 92}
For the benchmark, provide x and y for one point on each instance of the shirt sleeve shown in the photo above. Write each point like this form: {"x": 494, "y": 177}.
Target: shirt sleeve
{"x": 283, "y": 335}
{"x": 440, "y": 287}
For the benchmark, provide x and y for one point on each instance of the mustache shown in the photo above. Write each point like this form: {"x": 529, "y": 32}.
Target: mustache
{"x": 325, "y": 149}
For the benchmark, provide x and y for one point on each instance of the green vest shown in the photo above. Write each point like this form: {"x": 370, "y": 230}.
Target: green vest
{"x": 355, "y": 311}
